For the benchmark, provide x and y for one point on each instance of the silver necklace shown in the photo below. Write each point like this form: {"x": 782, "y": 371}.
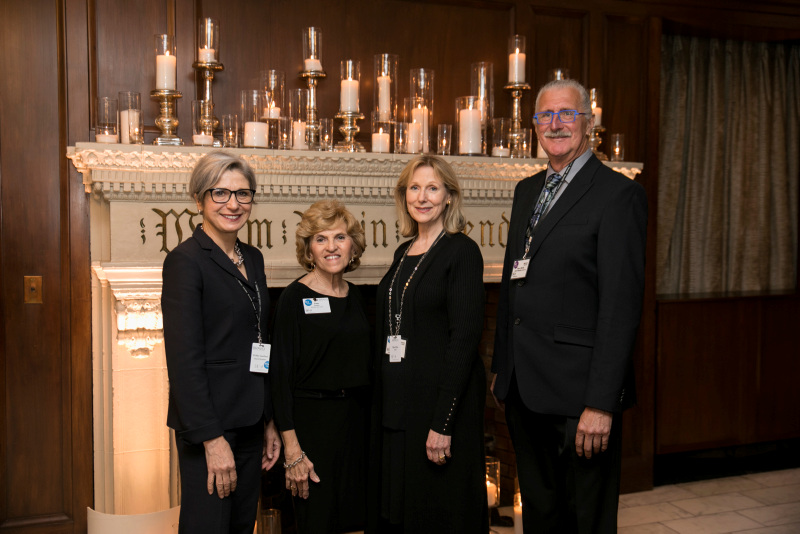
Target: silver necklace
{"x": 239, "y": 256}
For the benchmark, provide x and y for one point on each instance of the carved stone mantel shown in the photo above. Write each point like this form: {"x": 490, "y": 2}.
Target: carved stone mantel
{"x": 140, "y": 209}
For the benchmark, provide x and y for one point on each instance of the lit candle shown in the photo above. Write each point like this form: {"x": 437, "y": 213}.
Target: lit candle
{"x": 127, "y": 117}
{"x": 500, "y": 152}
{"x": 255, "y": 134}
{"x": 384, "y": 98}
{"x": 517, "y": 517}
{"x": 312, "y": 64}
{"x": 380, "y": 141}
{"x": 299, "y": 135}
{"x": 106, "y": 138}
{"x": 206, "y": 55}
{"x": 597, "y": 111}
{"x": 414, "y": 142}
{"x": 349, "y": 98}
{"x": 272, "y": 112}
{"x": 165, "y": 71}
{"x": 491, "y": 488}
{"x": 469, "y": 131}
{"x": 516, "y": 67}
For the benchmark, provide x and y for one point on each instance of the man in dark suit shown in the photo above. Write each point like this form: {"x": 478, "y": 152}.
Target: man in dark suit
{"x": 570, "y": 303}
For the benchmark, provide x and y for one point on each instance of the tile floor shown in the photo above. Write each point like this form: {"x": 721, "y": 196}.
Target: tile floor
{"x": 763, "y": 503}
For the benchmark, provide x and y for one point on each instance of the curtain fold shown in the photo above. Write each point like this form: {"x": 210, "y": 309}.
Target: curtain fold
{"x": 729, "y": 166}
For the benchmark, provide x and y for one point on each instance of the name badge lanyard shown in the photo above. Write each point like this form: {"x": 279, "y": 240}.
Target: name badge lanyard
{"x": 398, "y": 317}
{"x": 256, "y": 311}
{"x": 529, "y": 230}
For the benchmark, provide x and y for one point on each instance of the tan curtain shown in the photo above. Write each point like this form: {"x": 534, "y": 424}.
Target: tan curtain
{"x": 728, "y": 169}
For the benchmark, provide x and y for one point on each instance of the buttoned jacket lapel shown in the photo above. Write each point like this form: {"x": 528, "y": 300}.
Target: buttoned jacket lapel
{"x": 224, "y": 262}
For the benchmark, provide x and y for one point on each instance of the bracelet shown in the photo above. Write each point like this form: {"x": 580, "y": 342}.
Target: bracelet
{"x": 300, "y": 459}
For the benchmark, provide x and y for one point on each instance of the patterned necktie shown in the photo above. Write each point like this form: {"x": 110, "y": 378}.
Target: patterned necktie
{"x": 545, "y": 197}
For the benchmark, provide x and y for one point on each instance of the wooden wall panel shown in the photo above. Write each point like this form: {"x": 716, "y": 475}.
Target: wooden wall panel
{"x": 705, "y": 388}
{"x": 44, "y": 475}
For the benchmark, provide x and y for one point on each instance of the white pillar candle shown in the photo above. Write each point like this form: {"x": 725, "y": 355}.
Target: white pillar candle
{"x": 518, "y": 519}
{"x": 126, "y": 118}
{"x": 206, "y": 55}
{"x": 500, "y": 152}
{"x": 272, "y": 112}
{"x": 380, "y": 142}
{"x": 203, "y": 139}
{"x": 420, "y": 116}
{"x": 414, "y": 140}
{"x": 255, "y": 134}
{"x": 384, "y": 98}
{"x": 469, "y": 131}
{"x": 312, "y": 64}
{"x": 165, "y": 71}
{"x": 491, "y": 490}
{"x": 106, "y": 138}
{"x": 597, "y": 111}
{"x": 299, "y": 135}
{"x": 516, "y": 67}
{"x": 349, "y": 98}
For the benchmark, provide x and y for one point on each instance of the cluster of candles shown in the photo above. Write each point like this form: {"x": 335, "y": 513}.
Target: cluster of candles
{"x": 493, "y": 491}
{"x": 265, "y": 123}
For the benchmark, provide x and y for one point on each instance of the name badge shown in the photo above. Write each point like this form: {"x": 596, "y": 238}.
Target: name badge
{"x": 520, "y": 269}
{"x": 259, "y": 358}
{"x": 396, "y": 348}
{"x": 316, "y": 306}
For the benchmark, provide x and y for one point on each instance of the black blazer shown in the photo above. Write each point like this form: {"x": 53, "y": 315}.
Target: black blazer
{"x": 209, "y": 329}
{"x": 567, "y": 330}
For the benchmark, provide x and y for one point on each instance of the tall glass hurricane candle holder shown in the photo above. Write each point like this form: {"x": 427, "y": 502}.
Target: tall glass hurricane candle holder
{"x": 106, "y": 127}
{"x": 254, "y": 129}
{"x": 385, "y": 86}
{"x": 500, "y": 138}
{"x": 298, "y": 101}
{"x": 482, "y": 86}
{"x": 468, "y": 124}
{"x": 417, "y": 115}
{"x": 312, "y": 72}
{"x": 421, "y": 87}
{"x": 348, "y": 106}
{"x": 273, "y": 82}
{"x": 558, "y": 73}
{"x": 207, "y": 41}
{"x": 516, "y": 59}
{"x": 130, "y": 118}
{"x": 381, "y": 133}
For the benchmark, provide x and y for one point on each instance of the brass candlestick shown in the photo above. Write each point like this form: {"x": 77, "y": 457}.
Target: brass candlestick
{"x": 515, "y": 134}
{"x": 312, "y": 118}
{"x": 207, "y": 118}
{"x": 167, "y": 120}
{"x": 595, "y": 141}
{"x": 349, "y": 130}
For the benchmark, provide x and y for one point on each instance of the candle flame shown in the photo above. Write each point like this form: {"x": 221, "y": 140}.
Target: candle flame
{"x": 517, "y": 52}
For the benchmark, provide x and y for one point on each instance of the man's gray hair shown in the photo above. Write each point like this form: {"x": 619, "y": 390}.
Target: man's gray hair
{"x": 585, "y": 101}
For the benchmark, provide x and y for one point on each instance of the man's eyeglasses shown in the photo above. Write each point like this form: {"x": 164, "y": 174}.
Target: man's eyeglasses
{"x": 220, "y": 195}
{"x": 565, "y": 115}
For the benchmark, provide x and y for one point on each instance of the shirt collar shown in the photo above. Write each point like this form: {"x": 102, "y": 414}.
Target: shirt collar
{"x": 577, "y": 165}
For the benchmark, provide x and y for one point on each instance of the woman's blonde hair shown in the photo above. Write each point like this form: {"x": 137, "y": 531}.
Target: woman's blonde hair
{"x": 321, "y": 216}
{"x": 210, "y": 168}
{"x": 454, "y": 220}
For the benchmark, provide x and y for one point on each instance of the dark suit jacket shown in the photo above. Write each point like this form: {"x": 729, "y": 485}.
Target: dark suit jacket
{"x": 567, "y": 330}
{"x": 209, "y": 329}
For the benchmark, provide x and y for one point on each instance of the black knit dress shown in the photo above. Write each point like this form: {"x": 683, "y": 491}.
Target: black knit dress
{"x": 439, "y": 385}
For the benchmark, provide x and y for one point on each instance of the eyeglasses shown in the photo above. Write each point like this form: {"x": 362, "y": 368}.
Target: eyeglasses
{"x": 220, "y": 195}
{"x": 565, "y": 115}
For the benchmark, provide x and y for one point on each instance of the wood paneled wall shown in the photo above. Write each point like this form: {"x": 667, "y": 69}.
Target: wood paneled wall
{"x": 60, "y": 54}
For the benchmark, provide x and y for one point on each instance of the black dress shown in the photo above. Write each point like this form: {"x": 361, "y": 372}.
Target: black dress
{"x": 320, "y": 380}
{"x": 439, "y": 385}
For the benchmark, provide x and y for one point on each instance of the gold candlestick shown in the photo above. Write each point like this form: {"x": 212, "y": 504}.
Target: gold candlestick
{"x": 515, "y": 134}
{"x": 595, "y": 141}
{"x": 207, "y": 71}
{"x": 167, "y": 120}
{"x": 349, "y": 129}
